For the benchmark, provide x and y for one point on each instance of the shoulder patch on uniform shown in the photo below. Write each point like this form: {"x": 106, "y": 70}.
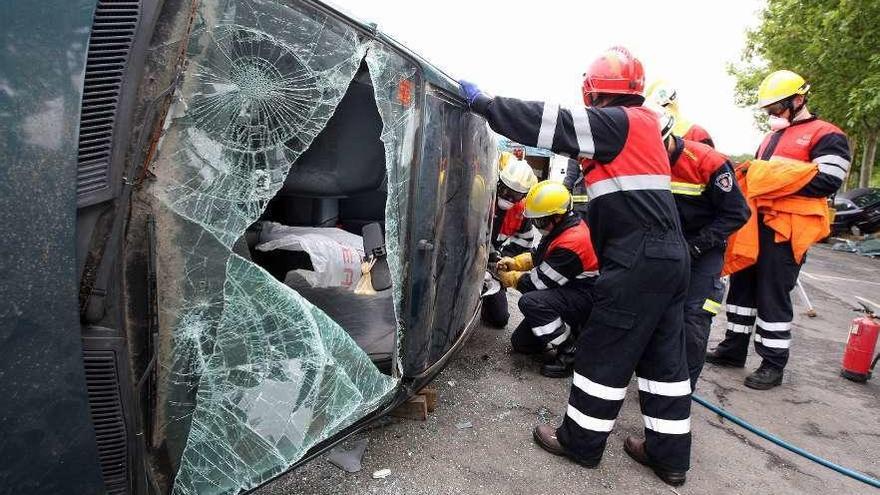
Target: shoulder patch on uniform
{"x": 724, "y": 182}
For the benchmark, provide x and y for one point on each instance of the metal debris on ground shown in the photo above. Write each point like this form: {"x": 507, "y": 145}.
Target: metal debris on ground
{"x": 464, "y": 425}
{"x": 381, "y": 474}
{"x": 349, "y": 460}
{"x": 866, "y": 246}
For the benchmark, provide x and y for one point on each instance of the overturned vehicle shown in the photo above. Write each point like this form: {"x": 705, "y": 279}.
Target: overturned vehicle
{"x": 281, "y": 232}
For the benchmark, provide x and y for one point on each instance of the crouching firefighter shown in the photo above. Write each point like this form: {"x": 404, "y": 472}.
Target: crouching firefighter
{"x": 636, "y": 324}
{"x": 512, "y": 233}
{"x": 711, "y": 207}
{"x": 555, "y": 280}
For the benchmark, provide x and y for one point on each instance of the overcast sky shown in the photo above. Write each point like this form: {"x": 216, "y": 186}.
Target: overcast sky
{"x": 540, "y": 49}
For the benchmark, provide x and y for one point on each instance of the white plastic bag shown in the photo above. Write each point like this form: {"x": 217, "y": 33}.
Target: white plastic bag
{"x": 335, "y": 253}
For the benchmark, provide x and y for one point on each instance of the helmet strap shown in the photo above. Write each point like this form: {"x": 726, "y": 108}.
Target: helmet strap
{"x": 794, "y": 111}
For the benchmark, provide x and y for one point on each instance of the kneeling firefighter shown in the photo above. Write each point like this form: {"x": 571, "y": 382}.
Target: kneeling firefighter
{"x": 711, "y": 207}
{"x": 556, "y": 279}
{"x": 512, "y": 233}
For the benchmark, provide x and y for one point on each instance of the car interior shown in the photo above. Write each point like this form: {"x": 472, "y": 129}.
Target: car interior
{"x": 338, "y": 183}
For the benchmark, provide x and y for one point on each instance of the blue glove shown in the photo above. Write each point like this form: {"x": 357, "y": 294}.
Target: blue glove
{"x": 469, "y": 91}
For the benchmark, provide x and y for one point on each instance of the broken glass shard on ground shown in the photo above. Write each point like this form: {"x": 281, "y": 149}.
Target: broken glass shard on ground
{"x": 349, "y": 460}
{"x": 252, "y": 374}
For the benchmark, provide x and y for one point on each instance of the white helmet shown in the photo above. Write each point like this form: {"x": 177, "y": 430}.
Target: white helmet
{"x": 518, "y": 176}
{"x": 667, "y": 122}
{"x": 661, "y": 93}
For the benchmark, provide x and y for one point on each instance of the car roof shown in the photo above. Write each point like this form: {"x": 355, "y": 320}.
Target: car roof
{"x": 855, "y": 193}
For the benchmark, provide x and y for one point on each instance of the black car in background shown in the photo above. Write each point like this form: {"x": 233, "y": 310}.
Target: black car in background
{"x": 857, "y": 209}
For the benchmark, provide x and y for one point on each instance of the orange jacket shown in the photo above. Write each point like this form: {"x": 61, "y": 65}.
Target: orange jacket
{"x": 769, "y": 187}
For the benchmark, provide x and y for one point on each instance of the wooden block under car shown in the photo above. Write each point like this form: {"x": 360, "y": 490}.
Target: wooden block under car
{"x": 415, "y": 408}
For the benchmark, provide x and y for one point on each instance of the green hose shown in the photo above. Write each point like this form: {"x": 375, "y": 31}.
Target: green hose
{"x": 782, "y": 443}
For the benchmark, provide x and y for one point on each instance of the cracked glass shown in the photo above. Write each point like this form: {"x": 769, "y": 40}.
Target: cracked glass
{"x": 251, "y": 373}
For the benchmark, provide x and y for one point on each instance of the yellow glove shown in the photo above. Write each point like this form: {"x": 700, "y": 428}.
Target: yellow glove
{"x": 510, "y": 278}
{"x": 521, "y": 262}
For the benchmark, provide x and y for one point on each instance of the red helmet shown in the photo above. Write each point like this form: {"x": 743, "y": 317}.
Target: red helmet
{"x": 615, "y": 72}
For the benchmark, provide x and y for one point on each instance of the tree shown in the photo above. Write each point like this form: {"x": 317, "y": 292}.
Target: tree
{"x": 835, "y": 45}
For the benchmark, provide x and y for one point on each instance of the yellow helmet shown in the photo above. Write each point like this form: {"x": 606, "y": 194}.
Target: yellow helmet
{"x": 518, "y": 176}
{"x": 504, "y": 158}
{"x": 780, "y": 85}
{"x": 547, "y": 198}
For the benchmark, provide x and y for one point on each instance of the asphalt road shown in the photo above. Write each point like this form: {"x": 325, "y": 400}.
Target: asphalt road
{"x": 503, "y": 397}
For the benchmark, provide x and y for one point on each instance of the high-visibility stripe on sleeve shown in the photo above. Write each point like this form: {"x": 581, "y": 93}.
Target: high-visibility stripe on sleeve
{"x": 588, "y": 274}
{"x": 552, "y": 274}
{"x": 668, "y": 426}
{"x": 521, "y": 242}
{"x": 536, "y": 280}
{"x": 712, "y": 306}
{"x": 583, "y": 132}
{"x": 669, "y": 389}
{"x": 737, "y": 328}
{"x": 590, "y": 387}
{"x": 774, "y": 343}
{"x": 833, "y": 160}
{"x": 741, "y": 310}
{"x": 687, "y": 189}
{"x": 589, "y": 422}
{"x": 548, "y": 126}
{"x": 774, "y": 327}
{"x": 832, "y": 170}
{"x": 548, "y": 328}
{"x": 628, "y": 183}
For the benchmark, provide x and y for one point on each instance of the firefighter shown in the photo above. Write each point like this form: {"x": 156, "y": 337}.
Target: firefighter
{"x": 711, "y": 207}
{"x": 637, "y": 321}
{"x": 759, "y": 295}
{"x": 663, "y": 95}
{"x": 512, "y": 234}
{"x": 555, "y": 280}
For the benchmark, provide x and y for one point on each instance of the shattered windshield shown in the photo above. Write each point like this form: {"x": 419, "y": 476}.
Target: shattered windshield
{"x": 252, "y": 371}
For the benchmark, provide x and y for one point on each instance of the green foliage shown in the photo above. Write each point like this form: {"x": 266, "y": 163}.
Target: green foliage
{"x": 737, "y": 159}
{"x": 833, "y": 44}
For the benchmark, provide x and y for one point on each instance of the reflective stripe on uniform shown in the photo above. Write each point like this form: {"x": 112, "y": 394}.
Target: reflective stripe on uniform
{"x": 590, "y": 387}
{"x": 533, "y": 275}
{"x": 741, "y": 310}
{"x": 712, "y": 306}
{"x": 588, "y": 274}
{"x": 548, "y": 328}
{"x": 521, "y": 242}
{"x": 668, "y": 426}
{"x": 579, "y": 198}
{"x": 559, "y": 340}
{"x": 628, "y": 183}
{"x": 832, "y": 170}
{"x": 669, "y": 389}
{"x": 737, "y": 328}
{"x": 686, "y": 188}
{"x": 833, "y": 160}
{"x": 774, "y": 343}
{"x": 552, "y": 274}
{"x": 583, "y": 132}
{"x": 548, "y": 126}
{"x": 589, "y": 422}
{"x": 773, "y": 327}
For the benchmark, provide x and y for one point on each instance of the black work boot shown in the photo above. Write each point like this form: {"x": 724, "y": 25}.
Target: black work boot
{"x": 545, "y": 437}
{"x": 715, "y": 357}
{"x": 635, "y": 447}
{"x": 562, "y": 363}
{"x": 764, "y": 378}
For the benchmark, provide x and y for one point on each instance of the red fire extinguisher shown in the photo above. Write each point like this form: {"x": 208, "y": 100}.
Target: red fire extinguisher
{"x": 860, "y": 344}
